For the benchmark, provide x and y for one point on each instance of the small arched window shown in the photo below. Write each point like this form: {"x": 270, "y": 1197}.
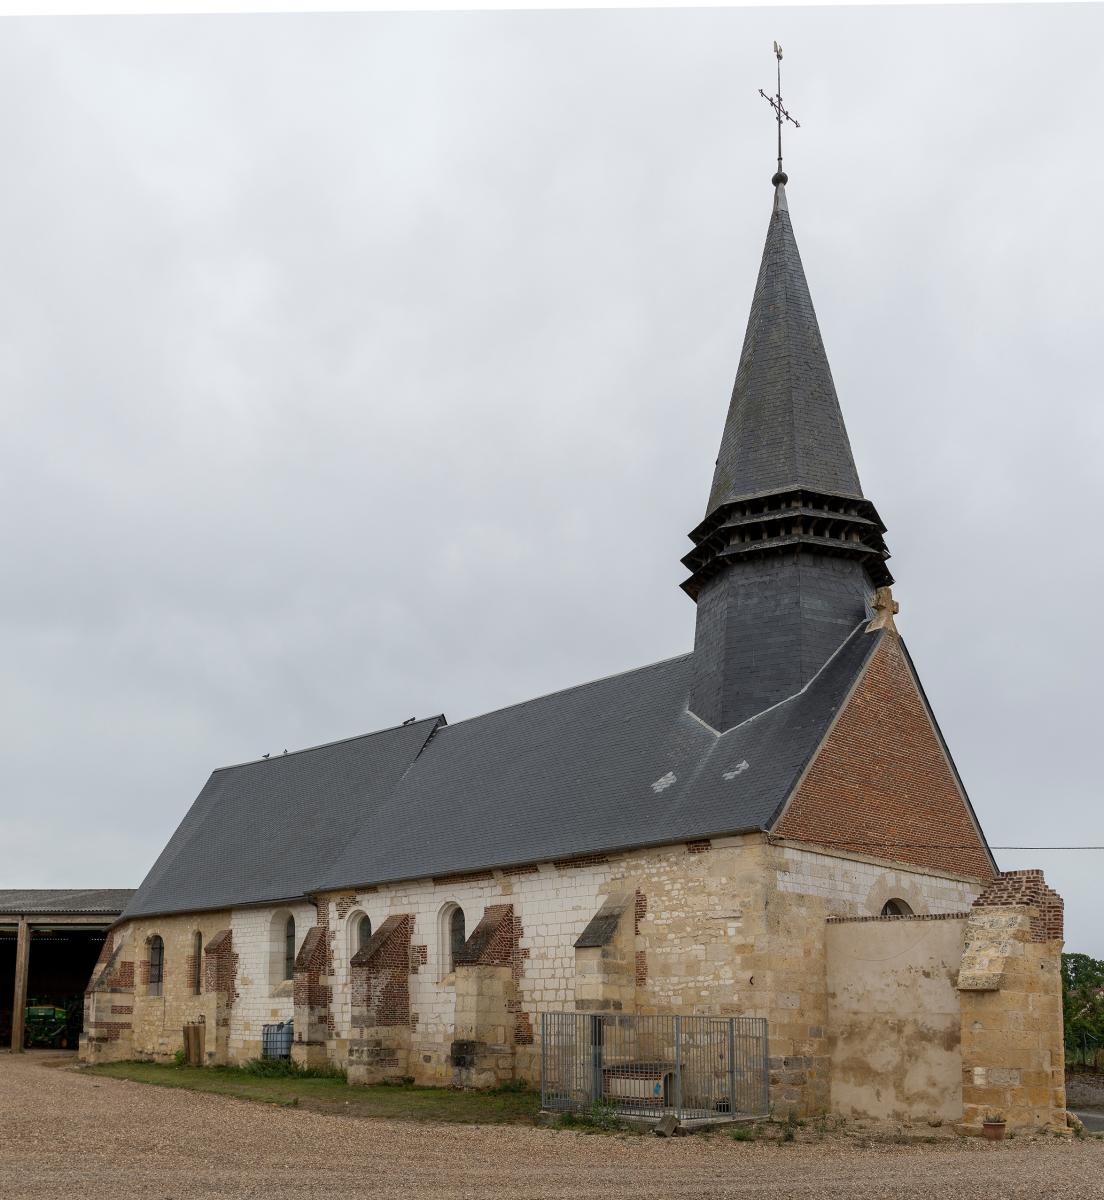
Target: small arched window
{"x": 364, "y": 932}
{"x": 197, "y": 963}
{"x": 156, "y": 965}
{"x": 457, "y": 936}
{"x": 289, "y": 949}
{"x": 896, "y": 908}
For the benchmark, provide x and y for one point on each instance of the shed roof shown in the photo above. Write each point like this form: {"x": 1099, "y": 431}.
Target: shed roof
{"x": 105, "y": 901}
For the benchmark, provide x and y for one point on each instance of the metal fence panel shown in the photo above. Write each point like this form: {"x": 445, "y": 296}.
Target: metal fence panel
{"x": 694, "y": 1067}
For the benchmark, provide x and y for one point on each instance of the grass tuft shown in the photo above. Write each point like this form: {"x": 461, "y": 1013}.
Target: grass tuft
{"x": 512, "y": 1087}
{"x": 288, "y": 1068}
{"x": 601, "y": 1117}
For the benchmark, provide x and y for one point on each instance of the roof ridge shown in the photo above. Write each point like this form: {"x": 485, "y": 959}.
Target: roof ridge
{"x": 356, "y": 737}
{"x": 75, "y": 891}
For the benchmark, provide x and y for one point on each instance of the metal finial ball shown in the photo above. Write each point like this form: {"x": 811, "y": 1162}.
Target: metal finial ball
{"x": 780, "y": 177}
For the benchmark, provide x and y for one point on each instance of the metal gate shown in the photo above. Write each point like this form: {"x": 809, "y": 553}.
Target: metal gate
{"x": 692, "y": 1067}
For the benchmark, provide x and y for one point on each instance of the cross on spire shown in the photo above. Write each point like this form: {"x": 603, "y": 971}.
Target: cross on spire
{"x": 780, "y": 115}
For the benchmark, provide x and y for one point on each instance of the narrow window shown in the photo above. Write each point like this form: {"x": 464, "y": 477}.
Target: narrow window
{"x": 457, "y": 937}
{"x": 364, "y": 933}
{"x": 197, "y": 963}
{"x": 289, "y": 949}
{"x": 896, "y": 908}
{"x": 156, "y": 965}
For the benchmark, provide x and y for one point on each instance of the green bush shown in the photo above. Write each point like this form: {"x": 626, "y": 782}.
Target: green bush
{"x": 1083, "y": 1008}
{"x": 180, "y": 1059}
{"x": 744, "y": 1133}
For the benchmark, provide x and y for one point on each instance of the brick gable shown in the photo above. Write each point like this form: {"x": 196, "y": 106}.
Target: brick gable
{"x": 881, "y": 783}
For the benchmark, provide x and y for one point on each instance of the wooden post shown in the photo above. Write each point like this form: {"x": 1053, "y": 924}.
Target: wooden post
{"x": 19, "y": 1000}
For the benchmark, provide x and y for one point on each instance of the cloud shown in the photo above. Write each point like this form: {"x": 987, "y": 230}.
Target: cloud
{"x": 356, "y": 367}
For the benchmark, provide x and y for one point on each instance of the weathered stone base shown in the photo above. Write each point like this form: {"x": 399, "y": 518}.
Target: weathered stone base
{"x": 378, "y": 1054}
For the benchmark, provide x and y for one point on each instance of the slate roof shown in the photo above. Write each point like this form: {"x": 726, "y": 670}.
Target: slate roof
{"x": 267, "y": 830}
{"x": 105, "y": 901}
{"x": 608, "y": 765}
{"x": 784, "y": 427}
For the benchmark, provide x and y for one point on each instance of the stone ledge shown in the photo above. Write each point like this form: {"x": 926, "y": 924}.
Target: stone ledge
{"x": 952, "y": 916}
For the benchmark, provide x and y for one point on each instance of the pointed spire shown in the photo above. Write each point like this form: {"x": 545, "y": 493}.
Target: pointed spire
{"x": 785, "y": 475}
{"x": 787, "y": 560}
{"x": 784, "y": 429}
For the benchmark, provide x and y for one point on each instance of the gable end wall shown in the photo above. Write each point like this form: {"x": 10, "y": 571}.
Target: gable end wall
{"x": 882, "y": 784}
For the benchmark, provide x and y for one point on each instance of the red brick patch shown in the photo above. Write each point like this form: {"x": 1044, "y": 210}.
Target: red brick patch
{"x": 582, "y": 860}
{"x": 881, "y": 784}
{"x": 1028, "y": 888}
{"x": 640, "y": 910}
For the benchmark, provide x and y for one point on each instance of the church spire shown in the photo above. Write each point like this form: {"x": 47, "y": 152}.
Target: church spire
{"x": 784, "y": 428}
{"x": 787, "y": 560}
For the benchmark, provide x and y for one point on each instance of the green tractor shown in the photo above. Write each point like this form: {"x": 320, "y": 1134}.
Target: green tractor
{"x": 46, "y": 1025}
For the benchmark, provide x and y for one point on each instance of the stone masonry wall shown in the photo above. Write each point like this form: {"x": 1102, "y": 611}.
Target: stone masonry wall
{"x": 264, "y": 996}
{"x": 156, "y": 1022}
{"x": 109, "y": 1004}
{"x": 1010, "y": 986}
{"x": 788, "y": 964}
{"x": 732, "y": 926}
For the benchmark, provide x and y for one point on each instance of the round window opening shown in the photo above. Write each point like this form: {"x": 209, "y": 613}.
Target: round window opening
{"x": 896, "y": 908}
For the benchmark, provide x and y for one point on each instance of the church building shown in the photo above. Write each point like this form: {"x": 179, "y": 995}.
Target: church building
{"x": 769, "y": 826}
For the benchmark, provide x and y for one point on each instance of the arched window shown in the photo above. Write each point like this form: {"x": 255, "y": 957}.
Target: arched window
{"x": 197, "y": 963}
{"x": 457, "y": 937}
{"x": 156, "y": 965}
{"x": 289, "y": 949}
{"x": 363, "y": 933}
{"x": 896, "y": 908}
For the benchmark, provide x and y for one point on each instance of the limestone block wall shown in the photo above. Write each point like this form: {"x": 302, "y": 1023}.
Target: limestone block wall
{"x": 1013, "y": 1055}
{"x": 551, "y": 905}
{"x": 482, "y": 1051}
{"x": 109, "y": 1005}
{"x": 733, "y": 926}
{"x": 605, "y": 956}
{"x": 157, "y": 1021}
{"x": 806, "y": 886}
{"x": 264, "y": 996}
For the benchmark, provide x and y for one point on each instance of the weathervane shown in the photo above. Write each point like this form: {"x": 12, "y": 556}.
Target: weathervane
{"x": 780, "y": 115}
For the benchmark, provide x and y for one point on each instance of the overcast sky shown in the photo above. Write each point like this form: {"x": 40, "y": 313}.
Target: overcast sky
{"x": 361, "y": 367}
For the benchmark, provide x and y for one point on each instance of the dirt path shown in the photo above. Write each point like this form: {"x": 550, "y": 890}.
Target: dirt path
{"x": 64, "y": 1135}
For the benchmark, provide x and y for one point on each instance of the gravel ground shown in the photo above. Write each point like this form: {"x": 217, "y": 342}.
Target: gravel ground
{"x": 66, "y": 1135}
